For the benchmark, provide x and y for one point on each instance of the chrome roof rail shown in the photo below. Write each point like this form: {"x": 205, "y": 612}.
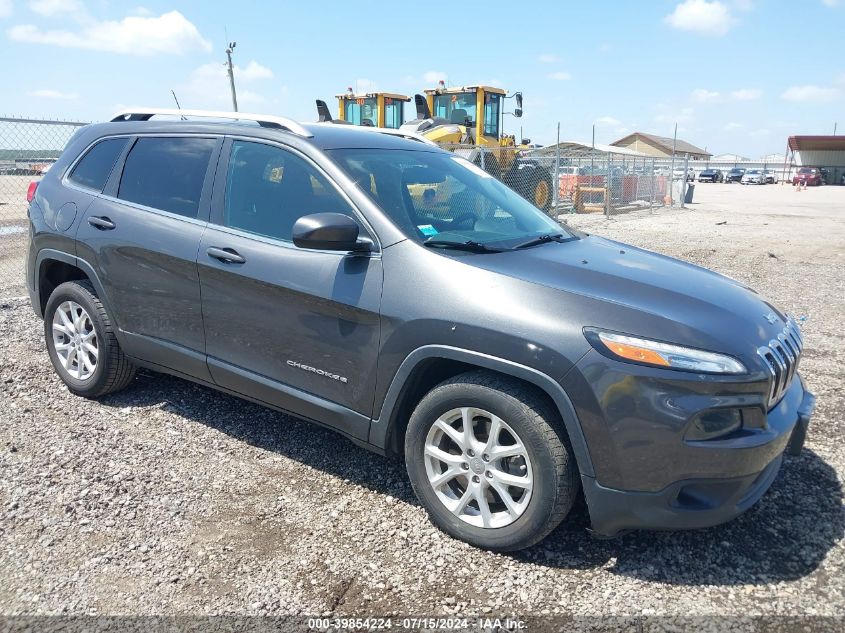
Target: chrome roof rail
{"x": 413, "y": 136}
{"x": 264, "y": 120}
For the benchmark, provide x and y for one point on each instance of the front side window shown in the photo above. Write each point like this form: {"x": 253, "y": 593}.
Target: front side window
{"x": 167, "y": 173}
{"x": 268, "y": 189}
{"x": 361, "y": 111}
{"x": 435, "y": 195}
{"x": 94, "y": 169}
{"x": 394, "y": 113}
{"x": 458, "y": 108}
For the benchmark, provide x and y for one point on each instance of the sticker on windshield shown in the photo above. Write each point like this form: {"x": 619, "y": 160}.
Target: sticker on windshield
{"x": 471, "y": 166}
{"x": 427, "y": 230}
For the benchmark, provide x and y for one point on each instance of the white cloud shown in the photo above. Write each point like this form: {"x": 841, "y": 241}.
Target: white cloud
{"x": 608, "y": 121}
{"x": 810, "y": 94}
{"x": 53, "y": 8}
{"x": 746, "y": 94}
{"x": 702, "y": 17}
{"x": 831, "y": 3}
{"x": 253, "y": 71}
{"x": 702, "y": 96}
{"x": 6, "y": 8}
{"x": 759, "y": 133}
{"x": 560, "y": 76}
{"x": 548, "y": 58}
{"x": 208, "y": 86}
{"x": 169, "y": 33}
{"x": 46, "y": 93}
{"x": 732, "y": 126}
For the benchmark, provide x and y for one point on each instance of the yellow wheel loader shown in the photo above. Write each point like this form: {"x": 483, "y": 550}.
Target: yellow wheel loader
{"x": 372, "y": 109}
{"x": 467, "y": 118}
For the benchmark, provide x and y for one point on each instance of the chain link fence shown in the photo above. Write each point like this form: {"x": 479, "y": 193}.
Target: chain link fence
{"x": 561, "y": 183}
{"x": 28, "y": 147}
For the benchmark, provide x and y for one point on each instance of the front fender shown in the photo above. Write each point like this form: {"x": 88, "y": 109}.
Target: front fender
{"x": 380, "y": 427}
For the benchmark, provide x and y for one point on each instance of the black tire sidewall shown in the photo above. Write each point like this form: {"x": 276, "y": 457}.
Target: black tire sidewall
{"x": 534, "y": 521}
{"x": 74, "y": 291}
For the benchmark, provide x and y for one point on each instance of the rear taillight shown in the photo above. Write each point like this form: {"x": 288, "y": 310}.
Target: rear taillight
{"x": 30, "y": 193}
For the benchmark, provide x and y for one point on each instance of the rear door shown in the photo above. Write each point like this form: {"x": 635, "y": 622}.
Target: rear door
{"x": 296, "y": 328}
{"x": 142, "y": 235}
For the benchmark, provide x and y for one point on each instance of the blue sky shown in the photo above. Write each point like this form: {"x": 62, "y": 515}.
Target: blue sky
{"x": 737, "y": 76}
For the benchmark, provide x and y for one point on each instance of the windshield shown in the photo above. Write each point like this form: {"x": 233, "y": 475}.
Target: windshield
{"x": 438, "y": 195}
{"x": 361, "y": 111}
{"x": 806, "y": 170}
{"x": 457, "y": 108}
{"x": 754, "y": 172}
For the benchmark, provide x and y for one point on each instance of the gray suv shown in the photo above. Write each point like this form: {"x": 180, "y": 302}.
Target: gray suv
{"x": 372, "y": 283}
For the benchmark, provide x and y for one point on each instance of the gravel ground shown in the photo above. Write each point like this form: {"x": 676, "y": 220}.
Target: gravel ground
{"x": 170, "y": 498}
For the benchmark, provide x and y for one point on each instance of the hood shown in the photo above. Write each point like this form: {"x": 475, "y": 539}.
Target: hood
{"x": 690, "y": 305}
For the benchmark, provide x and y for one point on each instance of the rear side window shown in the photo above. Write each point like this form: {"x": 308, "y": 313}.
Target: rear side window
{"x": 167, "y": 173}
{"x": 93, "y": 170}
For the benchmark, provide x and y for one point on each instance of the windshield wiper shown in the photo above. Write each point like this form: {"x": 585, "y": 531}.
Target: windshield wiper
{"x": 542, "y": 239}
{"x": 468, "y": 245}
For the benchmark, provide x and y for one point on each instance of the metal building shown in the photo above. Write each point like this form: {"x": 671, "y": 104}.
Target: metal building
{"x": 825, "y": 152}
{"x": 661, "y": 146}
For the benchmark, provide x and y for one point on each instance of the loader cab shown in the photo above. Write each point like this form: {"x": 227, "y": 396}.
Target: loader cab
{"x": 372, "y": 109}
{"x": 479, "y": 108}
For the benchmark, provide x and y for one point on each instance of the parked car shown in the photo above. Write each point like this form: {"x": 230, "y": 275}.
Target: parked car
{"x": 711, "y": 175}
{"x": 809, "y": 176}
{"x": 371, "y": 282}
{"x": 735, "y": 175}
{"x": 678, "y": 174}
{"x": 753, "y": 177}
{"x": 771, "y": 176}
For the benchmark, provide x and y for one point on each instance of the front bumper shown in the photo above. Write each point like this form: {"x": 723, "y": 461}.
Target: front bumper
{"x": 696, "y": 502}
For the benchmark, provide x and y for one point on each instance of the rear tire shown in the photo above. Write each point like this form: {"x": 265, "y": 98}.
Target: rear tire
{"x": 462, "y": 483}
{"x": 81, "y": 342}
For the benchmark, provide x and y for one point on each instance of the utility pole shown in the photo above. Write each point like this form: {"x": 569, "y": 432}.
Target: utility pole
{"x": 231, "y": 72}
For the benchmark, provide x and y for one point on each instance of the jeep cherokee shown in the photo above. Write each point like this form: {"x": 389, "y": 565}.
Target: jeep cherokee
{"x": 373, "y": 283}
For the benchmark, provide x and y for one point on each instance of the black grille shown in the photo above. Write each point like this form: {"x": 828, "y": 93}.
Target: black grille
{"x": 782, "y": 355}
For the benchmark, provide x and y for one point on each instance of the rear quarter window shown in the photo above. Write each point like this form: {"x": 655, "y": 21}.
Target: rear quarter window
{"x": 94, "y": 169}
{"x": 167, "y": 173}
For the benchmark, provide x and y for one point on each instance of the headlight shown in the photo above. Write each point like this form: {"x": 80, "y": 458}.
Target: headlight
{"x": 657, "y": 354}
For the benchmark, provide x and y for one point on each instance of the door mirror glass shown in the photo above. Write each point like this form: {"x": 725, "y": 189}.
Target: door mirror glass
{"x": 518, "y": 97}
{"x": 329, "y": 232}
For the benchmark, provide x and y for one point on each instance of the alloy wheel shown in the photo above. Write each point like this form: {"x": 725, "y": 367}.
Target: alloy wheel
{"x": 75, "y": 340}
{"x": 478, "y": 467}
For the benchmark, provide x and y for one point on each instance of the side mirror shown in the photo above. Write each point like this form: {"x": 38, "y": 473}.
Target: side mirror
{"x": 517, "y": 112}
{"x": 329, "y": 232}
{"x": 518, "y": 96}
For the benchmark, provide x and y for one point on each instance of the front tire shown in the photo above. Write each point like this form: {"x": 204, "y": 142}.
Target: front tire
{"x": 489, "y": 460}
{"x": 81, "y": 342}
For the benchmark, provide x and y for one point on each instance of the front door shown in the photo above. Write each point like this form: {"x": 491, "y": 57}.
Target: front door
{"x": 291, "y": 327}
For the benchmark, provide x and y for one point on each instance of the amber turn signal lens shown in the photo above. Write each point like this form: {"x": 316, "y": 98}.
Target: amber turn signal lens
{"x": 639, "y": 354}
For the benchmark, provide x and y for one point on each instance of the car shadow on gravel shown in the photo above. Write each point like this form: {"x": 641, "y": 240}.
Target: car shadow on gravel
{"x": 269, "y": 430}
{"x": 785, "y": 536}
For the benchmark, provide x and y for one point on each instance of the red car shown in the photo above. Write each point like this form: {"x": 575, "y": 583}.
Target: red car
{"x": 809, "y": 176}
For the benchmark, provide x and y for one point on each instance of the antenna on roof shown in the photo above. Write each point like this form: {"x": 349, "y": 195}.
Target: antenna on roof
{"x": 178, "y": 107}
